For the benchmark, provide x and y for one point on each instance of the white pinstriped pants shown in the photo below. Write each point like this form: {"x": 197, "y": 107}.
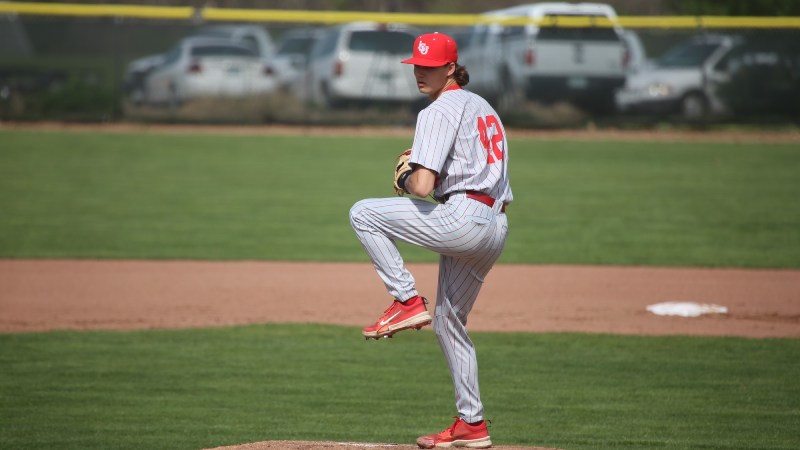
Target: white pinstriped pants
{"x": 469, "y": 236}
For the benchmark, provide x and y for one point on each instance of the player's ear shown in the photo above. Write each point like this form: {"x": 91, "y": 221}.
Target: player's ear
{"x": 451, "y": 69}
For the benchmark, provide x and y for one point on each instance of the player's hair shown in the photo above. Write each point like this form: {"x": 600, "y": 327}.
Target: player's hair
{"x": 461, "y": 75}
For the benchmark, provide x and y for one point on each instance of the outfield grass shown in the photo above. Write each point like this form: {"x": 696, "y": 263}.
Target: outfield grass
{"x": 96, "y": 195}
{"x": 191, "y": 389}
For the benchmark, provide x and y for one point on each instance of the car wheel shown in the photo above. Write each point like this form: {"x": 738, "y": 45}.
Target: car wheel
{"x": 175, "y": 101}
{"x": 510, "y": 96}
{"x": 137, "y": 96}
{"x": 147, "y": 97}
{"x": 328, "y": 101}
{"x": 694, "y": 107}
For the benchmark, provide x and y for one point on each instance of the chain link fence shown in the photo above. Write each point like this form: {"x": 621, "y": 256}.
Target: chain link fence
{"x": 89, "y": 66}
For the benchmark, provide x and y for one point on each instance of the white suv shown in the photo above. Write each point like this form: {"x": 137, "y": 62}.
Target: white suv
{"x": 585, "y": 64}
{"x": 360, "y": 62}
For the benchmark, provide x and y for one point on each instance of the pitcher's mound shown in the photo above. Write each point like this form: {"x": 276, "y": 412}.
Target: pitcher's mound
{"x": 309, "y": 445}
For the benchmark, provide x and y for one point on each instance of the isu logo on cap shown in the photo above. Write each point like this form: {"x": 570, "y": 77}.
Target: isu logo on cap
{"x": 433, "y": 50}
{"x": 423, "y": 48}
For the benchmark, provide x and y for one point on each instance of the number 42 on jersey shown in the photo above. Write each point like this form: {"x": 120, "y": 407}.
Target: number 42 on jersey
{"x": 491, "y": 136}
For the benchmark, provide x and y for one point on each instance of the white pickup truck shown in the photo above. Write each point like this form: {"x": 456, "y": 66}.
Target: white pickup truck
{"x": 583, "y": 64}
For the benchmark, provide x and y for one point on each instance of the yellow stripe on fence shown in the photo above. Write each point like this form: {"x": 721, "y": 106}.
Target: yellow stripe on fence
{"x": 708, "y": 22}
{"x": 332, "y": 17}
{"x": 67, "y": 9}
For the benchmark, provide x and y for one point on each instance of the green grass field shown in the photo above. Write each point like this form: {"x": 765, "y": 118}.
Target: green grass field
{"x": 287, "y": 198}
{"x": 203, "y": 388}
{"x": 166, "y": 196}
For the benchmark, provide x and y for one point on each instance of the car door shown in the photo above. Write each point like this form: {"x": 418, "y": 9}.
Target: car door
{"x": 373, "y": 69}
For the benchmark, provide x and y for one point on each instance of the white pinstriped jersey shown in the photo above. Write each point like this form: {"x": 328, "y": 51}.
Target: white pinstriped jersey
{"x": 460, "y": 137}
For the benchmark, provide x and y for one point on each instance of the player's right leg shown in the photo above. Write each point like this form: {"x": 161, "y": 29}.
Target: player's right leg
{"x": 460, "y": 282}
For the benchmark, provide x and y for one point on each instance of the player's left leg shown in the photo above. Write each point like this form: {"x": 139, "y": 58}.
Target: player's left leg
{"x": 457, "y": 227}
{"x": 378, "y": 224}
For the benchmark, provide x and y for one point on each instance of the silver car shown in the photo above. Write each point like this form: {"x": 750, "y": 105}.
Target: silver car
{"x": 291, "y": 57}
{"x": 360, "y": 62}
{"x": 136, "y": 73}
{"x": 682, "y": 81}
{"x": 207, "y": 67}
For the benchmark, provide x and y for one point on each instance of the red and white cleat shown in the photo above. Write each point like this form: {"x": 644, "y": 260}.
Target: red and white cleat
{"x": 399, "y": 317}
{"x": 460, "y": 434}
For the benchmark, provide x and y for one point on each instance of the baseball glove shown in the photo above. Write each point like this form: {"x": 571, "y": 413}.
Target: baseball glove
{"x": 401, "y": 172}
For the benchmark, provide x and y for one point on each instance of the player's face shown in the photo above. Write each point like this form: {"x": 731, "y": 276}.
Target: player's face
{"x": 432, "y": 80}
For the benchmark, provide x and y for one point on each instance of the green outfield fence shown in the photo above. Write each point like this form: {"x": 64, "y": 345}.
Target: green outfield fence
{"x": 69, "y": 61}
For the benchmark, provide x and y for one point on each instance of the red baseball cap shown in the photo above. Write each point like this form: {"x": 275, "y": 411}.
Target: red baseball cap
{"x": 433, "y": 50}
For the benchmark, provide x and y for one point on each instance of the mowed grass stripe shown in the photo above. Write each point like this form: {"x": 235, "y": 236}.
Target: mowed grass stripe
{"x": 170, "y": 196}
{"x": 190, "y": 389}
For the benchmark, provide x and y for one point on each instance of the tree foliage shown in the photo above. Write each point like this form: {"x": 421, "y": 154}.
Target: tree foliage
{"x": 736, "y": 7}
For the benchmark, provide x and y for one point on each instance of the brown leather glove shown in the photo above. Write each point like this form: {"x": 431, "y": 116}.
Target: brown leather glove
{"x": 401, "y": 172}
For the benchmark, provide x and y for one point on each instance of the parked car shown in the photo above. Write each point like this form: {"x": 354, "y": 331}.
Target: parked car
{"x": 136, "y": 73}
{"x": 360, "y": 62}
{"x": 207, "y": 67}
{"x": 292, "y": 54}
{"x": 254, "y": 36}
{"x": 583, "y": 64}
{"x": 762, "y": 77}
{"x": 683, "y": 80}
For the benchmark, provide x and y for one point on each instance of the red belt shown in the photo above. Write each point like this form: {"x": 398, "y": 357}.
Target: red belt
{"x": 485, "y": 199}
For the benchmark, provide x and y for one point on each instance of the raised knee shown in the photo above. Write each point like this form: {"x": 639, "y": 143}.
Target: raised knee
{"x": 356, "y": 210}
{"x": 360, "y": 216}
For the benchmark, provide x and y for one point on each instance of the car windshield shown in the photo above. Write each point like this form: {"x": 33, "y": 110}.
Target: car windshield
{"x": 392, "y": 42}
{"x": 598, "y": 33}
{"x": 214, "y": 32}
{"x": 221, "y": 50}
{"x": 296, "y": 46}
{"x": 687, "y": 55}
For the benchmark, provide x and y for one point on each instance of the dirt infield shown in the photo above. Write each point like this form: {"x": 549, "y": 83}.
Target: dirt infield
{"x": 40, "y": 295}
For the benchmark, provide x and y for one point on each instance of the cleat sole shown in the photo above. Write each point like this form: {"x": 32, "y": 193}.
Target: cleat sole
{"x": 416, "y": 322}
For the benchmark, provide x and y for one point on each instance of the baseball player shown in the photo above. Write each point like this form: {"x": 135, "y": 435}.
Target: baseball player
{"x": 460, "y": 156}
